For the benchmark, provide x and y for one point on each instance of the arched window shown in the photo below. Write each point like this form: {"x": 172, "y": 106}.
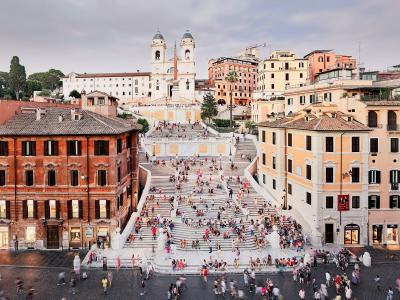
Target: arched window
{"x": 392, "y": 120}
{"x": 221, "y": 102}
{"x": 320, "y": 59}
{"x": 372, "y": 119}
{"x": 187, "y": 84}
{"x": 187, "y": 54}
{"x": 157, "y": 55}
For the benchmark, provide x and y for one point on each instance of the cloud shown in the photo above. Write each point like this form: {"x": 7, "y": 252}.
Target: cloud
{"x": 112, "y": 36}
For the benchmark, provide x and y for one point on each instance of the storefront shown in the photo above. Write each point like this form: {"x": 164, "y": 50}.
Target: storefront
{"x": 351, "y": 234}
{"x": 75, "y": 237}
{"x": 391, "y": 234}
{"x": 3, "y": 237}
{"x": 377, "y": 231}
{"x": 30, "y": 237}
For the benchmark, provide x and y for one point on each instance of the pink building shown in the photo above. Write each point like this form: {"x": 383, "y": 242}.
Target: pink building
{"x": 324, "y": 60}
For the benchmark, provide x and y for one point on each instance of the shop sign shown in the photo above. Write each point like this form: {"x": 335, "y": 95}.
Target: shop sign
{"x": 89, "y": 232}
{"x": 343, "y": 202}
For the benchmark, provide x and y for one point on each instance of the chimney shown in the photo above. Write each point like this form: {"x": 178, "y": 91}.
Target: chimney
{"x": 39, "y": 113}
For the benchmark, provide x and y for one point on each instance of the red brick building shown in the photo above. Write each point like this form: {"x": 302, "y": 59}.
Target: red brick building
{"x": 67, "y": 177}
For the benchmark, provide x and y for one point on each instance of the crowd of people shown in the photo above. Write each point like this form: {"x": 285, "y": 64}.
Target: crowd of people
{"x": 169, "y": 129}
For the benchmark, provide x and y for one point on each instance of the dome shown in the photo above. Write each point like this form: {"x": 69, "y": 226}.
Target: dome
{"x": 187, "y": 35}
{"x": 158, "y": 36}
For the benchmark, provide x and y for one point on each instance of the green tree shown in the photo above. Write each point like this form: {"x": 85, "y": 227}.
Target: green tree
{"x": 50, "y": 80}
{"x": 32, "y": 86}
{"x": 249, "y": 125}
{"x": 232, "y": 78}
{"x": 75, "y": 94}
{"x": 3, "y": 84}
{"x": 45, "y": 93}
{"x": 209, "y": 108}
{"x": 17, "y": 77}
{"x": 145, "y": 125}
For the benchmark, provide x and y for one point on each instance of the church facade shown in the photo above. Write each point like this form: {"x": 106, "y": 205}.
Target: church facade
{"x": 167, "y": 75}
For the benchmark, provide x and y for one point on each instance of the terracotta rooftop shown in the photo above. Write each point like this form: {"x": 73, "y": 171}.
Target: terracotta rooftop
{"x": 332, "y": 121}
{"x": 25, "y": 123}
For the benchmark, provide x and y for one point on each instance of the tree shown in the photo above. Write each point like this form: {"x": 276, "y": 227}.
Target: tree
{"x": 50, "y": 80}
{"x": 3, "y": 84}
{"x": 145, "y": 125}
{"x": 32, "y": 86}
{"x": 45, "y": 93}
{"x": 17, "y": 76}
{"x": 208, "y": 108}
{"x": 231, "y": 78}
{"x": 75, "y": 94}
{"x": 249, "y": 125}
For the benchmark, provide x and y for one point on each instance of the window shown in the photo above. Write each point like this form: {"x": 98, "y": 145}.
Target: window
{"x": 74, "y": 209}
{"x": 374, "y": 201}
{"x": 328, "y": 97}
{"x": 263, "y": 178}
{"x": 308, "y": 172}
{"x": 2, "y": 177}
{"x": 373, "y": 145}
{"x": 4, "y": 209}
{"x": 3, "y": 148}
{"x": 263, "y": 136}
{"x": 101, "y": 177}
{"x": 290, "y": 166}
{"x": 272, "y": 75}
{"x": 128, "y": 142}
{"x": 286, "y": 76}
{"x": 50, "y": 148}
{"x": 119, "y": 145}
{"x": 394, "y": 179}
{"x": 355, "y": 174}
{"x": 74, "y": 148}
{"x": 394, "y": 201}
{"x": 274, "y": 138}
{"x": 372, "y": 119}
{"x": 273, "y": 162}
{"x": 308, "y": 143}
{"x": 274, "y": 184}
{"x": 308, "y": 198}
{"x": 329, "y": 144}
{"x": 102, "y": 208}
{"x": 51, "y": 177}
{"x": 28, "y": 148}
{"x": 272, "y": 65}
{"x": 355, "y": 201}
{"x": 187, "y": 84}
{"x": 119, "y": 174}
{"x": 100, "y": 147}
{"x": 311, "y": 98}
{"x": 289, "y": 140}
{"x": 302, "y": 100}
{"x": 394, "y": 145}
{"x": 29, "y": 177}
{"x": 52, "y": 209}
{"x": 30, "y": 235}
{"x": 272, "y": 86}
{"x": 74, "y": 177}
{"x": 328, "y": 174}
{"x": 289, "y": 188}
{"x": 263, "y": 159}
{"x": 374, "y": 176}
{"x": 29, "y": 209}
{"x": 329, "y": 202}
{"x": 355, "y": 144}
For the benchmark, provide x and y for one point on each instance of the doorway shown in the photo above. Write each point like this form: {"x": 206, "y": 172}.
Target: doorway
{"x": 377, "y": 234}
{"x": 52, "y": 237}
{"x": 328, "y": 233}
{"x": 352, "y": 234}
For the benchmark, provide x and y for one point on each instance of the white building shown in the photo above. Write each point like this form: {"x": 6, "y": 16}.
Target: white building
{"x": 142, "y": 86}
{"x": 124, "y": 86}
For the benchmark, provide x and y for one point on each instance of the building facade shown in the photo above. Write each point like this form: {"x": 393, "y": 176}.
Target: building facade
{"x": 308, "y": 162}
{"x": 124, "y": 86}
{"x": 276, "y": 73}
{"x": 323, "y": 60}
{"x": 68, "y": 177}
{"x": 376, "y": 105}
{"x": 242, "y": 90}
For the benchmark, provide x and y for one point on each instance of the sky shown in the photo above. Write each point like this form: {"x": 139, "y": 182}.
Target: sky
{"x": 115, "y": 35}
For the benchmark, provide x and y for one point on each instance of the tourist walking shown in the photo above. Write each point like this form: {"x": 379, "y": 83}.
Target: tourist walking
{"x": 389, "y": 295}
{"x": 302, "y": 294}
{"x": 377, "y": 280}
{"x": 104, "y": 284}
